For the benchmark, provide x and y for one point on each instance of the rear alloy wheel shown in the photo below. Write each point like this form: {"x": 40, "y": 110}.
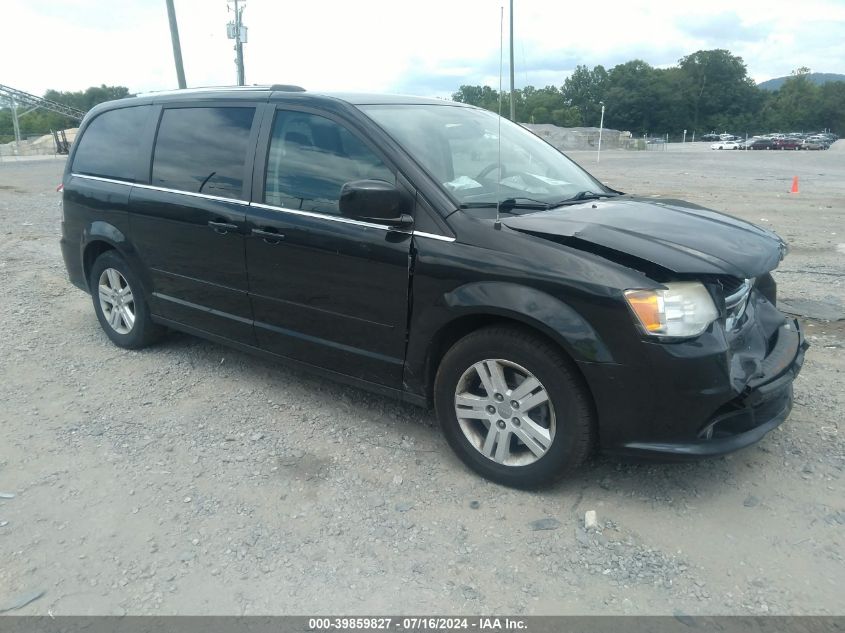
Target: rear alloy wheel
{"x": 513, "y": 407}
{"x": 119, "y": 302}
{"x": 116, "y": 301}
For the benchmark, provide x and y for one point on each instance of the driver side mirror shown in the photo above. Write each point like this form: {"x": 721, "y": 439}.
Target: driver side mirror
{"x": 374, "y": 201}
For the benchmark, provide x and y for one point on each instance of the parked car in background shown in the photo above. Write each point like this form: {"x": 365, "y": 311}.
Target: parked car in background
{"x": 727, "y": 145}
{"x": 786, "y": 143}
{"x": 814, "y": 143}
{"x": 760, "y": 143}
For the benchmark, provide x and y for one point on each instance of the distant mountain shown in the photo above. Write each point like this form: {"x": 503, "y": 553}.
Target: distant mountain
{"x": 816, "y": 78}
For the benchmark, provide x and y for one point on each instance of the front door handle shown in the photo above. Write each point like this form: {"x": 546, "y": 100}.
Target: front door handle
{"x": 271, "y": 236}
{"x": 222, "y": 227}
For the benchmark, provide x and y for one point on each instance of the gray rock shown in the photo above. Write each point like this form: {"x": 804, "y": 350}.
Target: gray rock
{"x": 751, "y": 501}
{"x": 548, "y": 523}
{"x": 581, "y": 536}
{"x": 470, "y": 593}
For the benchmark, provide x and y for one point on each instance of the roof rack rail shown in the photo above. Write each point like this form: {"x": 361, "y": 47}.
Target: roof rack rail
{"x": 287, "y": 88}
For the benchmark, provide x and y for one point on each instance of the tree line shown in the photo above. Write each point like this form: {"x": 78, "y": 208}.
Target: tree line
{"x": 707, "y": 91}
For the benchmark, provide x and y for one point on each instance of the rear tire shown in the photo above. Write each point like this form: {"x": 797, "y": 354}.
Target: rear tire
{"x": 120, "y": 304}
{"x": 536, "y": 426}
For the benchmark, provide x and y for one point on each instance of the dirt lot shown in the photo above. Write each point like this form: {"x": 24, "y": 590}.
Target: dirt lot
{"x": 191, "y": 479}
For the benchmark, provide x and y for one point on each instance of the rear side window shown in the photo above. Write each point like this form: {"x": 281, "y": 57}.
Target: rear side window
{"x": 310, "y": 159}
{"x": 202, "y": 150}
{"x": 109, "y": 146}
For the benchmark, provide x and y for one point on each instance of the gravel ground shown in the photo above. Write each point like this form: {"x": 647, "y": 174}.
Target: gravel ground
{"x": 192, "y": 479}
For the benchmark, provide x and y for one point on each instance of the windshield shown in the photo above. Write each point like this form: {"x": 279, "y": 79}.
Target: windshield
{"x": 459, "y": 146}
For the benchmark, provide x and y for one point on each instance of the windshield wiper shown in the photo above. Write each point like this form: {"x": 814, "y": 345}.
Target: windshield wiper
{"x": 508, "y": 204}
{"x": 587, "y": 195}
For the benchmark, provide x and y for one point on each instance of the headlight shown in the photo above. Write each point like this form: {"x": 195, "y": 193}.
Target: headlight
{"x": 683, "y": 308}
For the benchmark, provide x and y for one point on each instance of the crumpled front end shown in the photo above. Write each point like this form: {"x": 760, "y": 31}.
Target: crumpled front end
{"x": 723, "y": 390}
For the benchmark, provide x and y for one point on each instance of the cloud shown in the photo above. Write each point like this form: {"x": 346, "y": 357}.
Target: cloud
{"x": 722, "y": 29}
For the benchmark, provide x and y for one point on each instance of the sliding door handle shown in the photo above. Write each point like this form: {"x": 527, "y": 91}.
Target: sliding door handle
{"x": 222, "y": 227}
{"x": 271, "y": 236}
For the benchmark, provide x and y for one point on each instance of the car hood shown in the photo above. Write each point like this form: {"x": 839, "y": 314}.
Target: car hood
{"x": 675, "y": 235}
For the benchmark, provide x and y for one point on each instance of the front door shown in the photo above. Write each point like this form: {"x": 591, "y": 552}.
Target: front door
{"x": 188, "y": 222}
{"x": 326, "y": 290}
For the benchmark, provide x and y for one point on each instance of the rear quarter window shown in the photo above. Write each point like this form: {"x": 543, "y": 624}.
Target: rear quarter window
{"x": 109, "y": 145}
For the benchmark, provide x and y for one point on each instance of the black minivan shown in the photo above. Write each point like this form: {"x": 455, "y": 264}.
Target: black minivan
{"x": 434, "y": 252}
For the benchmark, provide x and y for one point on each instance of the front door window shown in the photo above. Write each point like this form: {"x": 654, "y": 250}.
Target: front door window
{"x": 310, "y": 158}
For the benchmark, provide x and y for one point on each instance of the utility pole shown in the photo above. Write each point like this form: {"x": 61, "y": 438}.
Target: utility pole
{"x": 513, "y": 106}
{"x": 177, "y": 48}
{"x": 237, "y": 31}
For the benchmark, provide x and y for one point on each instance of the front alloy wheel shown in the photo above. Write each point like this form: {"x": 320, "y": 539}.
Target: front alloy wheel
{"x": 514, "y": 407}
{"x": 505, "y": 412}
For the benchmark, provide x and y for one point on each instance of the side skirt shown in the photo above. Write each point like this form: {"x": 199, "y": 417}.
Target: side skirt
{"x": 397, "y": 394}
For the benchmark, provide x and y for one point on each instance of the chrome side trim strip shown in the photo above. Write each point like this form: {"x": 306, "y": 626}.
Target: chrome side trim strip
{"x": 337, "y": 218}
{"x": 204, "y": 196}
{"x": 101, "y": 179}
{"x": 433, "y": 236}
{"x": 269, "y": 207}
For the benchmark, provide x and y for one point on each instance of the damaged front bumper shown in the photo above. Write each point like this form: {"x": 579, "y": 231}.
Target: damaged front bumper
{"x": 765, "y": 402}
{"x": 708, "y": 396}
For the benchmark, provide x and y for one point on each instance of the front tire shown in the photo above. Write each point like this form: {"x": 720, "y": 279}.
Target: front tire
{"x": 120, "y": 304}
{"x": 513, "y": 407}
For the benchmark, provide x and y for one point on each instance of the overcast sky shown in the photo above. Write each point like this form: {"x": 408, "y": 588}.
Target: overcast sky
{"x": 427, "y": 48}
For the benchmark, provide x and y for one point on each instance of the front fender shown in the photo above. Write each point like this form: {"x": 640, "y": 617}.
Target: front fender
{"x": 454, "y": 310}
{"x": 534, "y": 308}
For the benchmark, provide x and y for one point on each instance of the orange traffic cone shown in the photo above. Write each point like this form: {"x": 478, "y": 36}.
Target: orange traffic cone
{"x": 794, "y": 185}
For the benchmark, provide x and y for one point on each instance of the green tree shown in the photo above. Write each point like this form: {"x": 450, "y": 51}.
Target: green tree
{"x": 631, "y": 96}
{"x": 797, "y": 104}
{"x": 481, "y": 96}
{"x": 584, "y": 89}
{"x": 832, "y": 106}
{"x": 716, "y": 89}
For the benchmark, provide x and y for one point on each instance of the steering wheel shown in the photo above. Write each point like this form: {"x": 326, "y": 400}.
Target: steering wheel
{"x": 490, "y": 168}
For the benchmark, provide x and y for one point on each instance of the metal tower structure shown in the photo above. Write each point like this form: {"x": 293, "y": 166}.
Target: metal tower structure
{"x": 17, "y": 97}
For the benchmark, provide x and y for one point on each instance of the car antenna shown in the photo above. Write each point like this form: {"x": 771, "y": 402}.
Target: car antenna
{"x": 498, "y": 224}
